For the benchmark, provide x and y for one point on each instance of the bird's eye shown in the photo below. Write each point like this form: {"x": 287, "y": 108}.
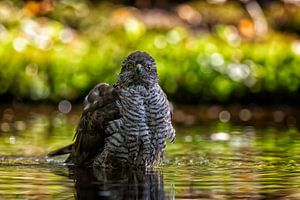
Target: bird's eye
{"x": 148, "y": 67}
{"x": 129, "y": 65}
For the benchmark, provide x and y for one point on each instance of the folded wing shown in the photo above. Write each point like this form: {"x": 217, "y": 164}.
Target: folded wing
{"x": 99, "y": 108}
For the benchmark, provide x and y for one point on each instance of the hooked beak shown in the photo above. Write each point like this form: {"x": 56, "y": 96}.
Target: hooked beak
{"x": 139, "y": 69}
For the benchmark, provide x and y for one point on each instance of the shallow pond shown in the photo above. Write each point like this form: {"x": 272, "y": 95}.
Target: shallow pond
{"x": 214, "y": 157}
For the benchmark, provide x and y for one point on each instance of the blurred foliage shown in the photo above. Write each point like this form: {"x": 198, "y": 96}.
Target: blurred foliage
{"x": 61, "y": 50}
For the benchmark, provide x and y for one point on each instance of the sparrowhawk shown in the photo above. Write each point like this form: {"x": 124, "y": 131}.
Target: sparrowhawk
{"x": 125, "y": 124}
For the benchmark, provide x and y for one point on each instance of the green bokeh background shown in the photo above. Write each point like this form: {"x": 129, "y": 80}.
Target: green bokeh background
{"x": 53, "y": 50}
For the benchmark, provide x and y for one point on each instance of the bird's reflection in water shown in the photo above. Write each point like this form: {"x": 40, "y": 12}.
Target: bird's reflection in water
{"x": 117, "y": 184}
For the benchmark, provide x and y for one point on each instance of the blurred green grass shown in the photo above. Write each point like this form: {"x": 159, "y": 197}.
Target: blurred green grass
{"x": 61, "y": 51}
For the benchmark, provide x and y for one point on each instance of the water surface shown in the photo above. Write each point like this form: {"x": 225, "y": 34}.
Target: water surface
{"x": 211, "y": 159}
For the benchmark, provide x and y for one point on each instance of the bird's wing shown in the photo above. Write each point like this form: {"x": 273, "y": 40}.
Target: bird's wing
{"x": 99, "y": 108}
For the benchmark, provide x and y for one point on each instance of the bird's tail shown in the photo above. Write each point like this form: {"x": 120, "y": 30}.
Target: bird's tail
{"x": 61, "y": 151}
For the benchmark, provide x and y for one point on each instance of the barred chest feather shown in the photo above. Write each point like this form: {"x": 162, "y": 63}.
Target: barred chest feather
{"x": 139, "y": 137}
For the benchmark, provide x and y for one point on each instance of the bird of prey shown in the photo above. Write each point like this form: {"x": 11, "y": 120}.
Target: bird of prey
{"x": 125, "y": 124}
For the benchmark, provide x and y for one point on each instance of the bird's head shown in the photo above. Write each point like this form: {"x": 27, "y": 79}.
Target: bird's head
{"x": 138, "y": 69}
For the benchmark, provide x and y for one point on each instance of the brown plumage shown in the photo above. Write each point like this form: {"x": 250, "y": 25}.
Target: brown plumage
{"x": 99, "y": 108}
{"x": 125, "y": 124}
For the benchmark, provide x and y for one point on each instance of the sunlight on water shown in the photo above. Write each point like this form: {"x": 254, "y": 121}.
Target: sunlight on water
{"x": 215, "y": 160}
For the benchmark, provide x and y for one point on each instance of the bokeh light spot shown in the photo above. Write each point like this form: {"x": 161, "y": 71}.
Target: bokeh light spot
{"x": 31, "y": 69}
{"x": 245, "y": 114}
{"x": 213, "y": 112}
{"x": 220, "y": 136}
{"x": 5, "y": 127}
{"x": 189, "y": 14}
{"x": 67, "y": 35}
{"x": 296, "y": 47}
{"x": 237, "y": 71}
{"x": 160, "y": 42}
{"x": 8, "y": 114}
{"x": 217, "y": 59}
{"x": 20, "y": 125}
{"x": 12, "y": 140}
{"x": 173, "y": 37}
{"x": 278, "y": 116}
{"x": 224, "y": 116}
{"x": 65, "y": 106}
{"x": 188, "y": 138}
{"x": 20, "y": 44}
